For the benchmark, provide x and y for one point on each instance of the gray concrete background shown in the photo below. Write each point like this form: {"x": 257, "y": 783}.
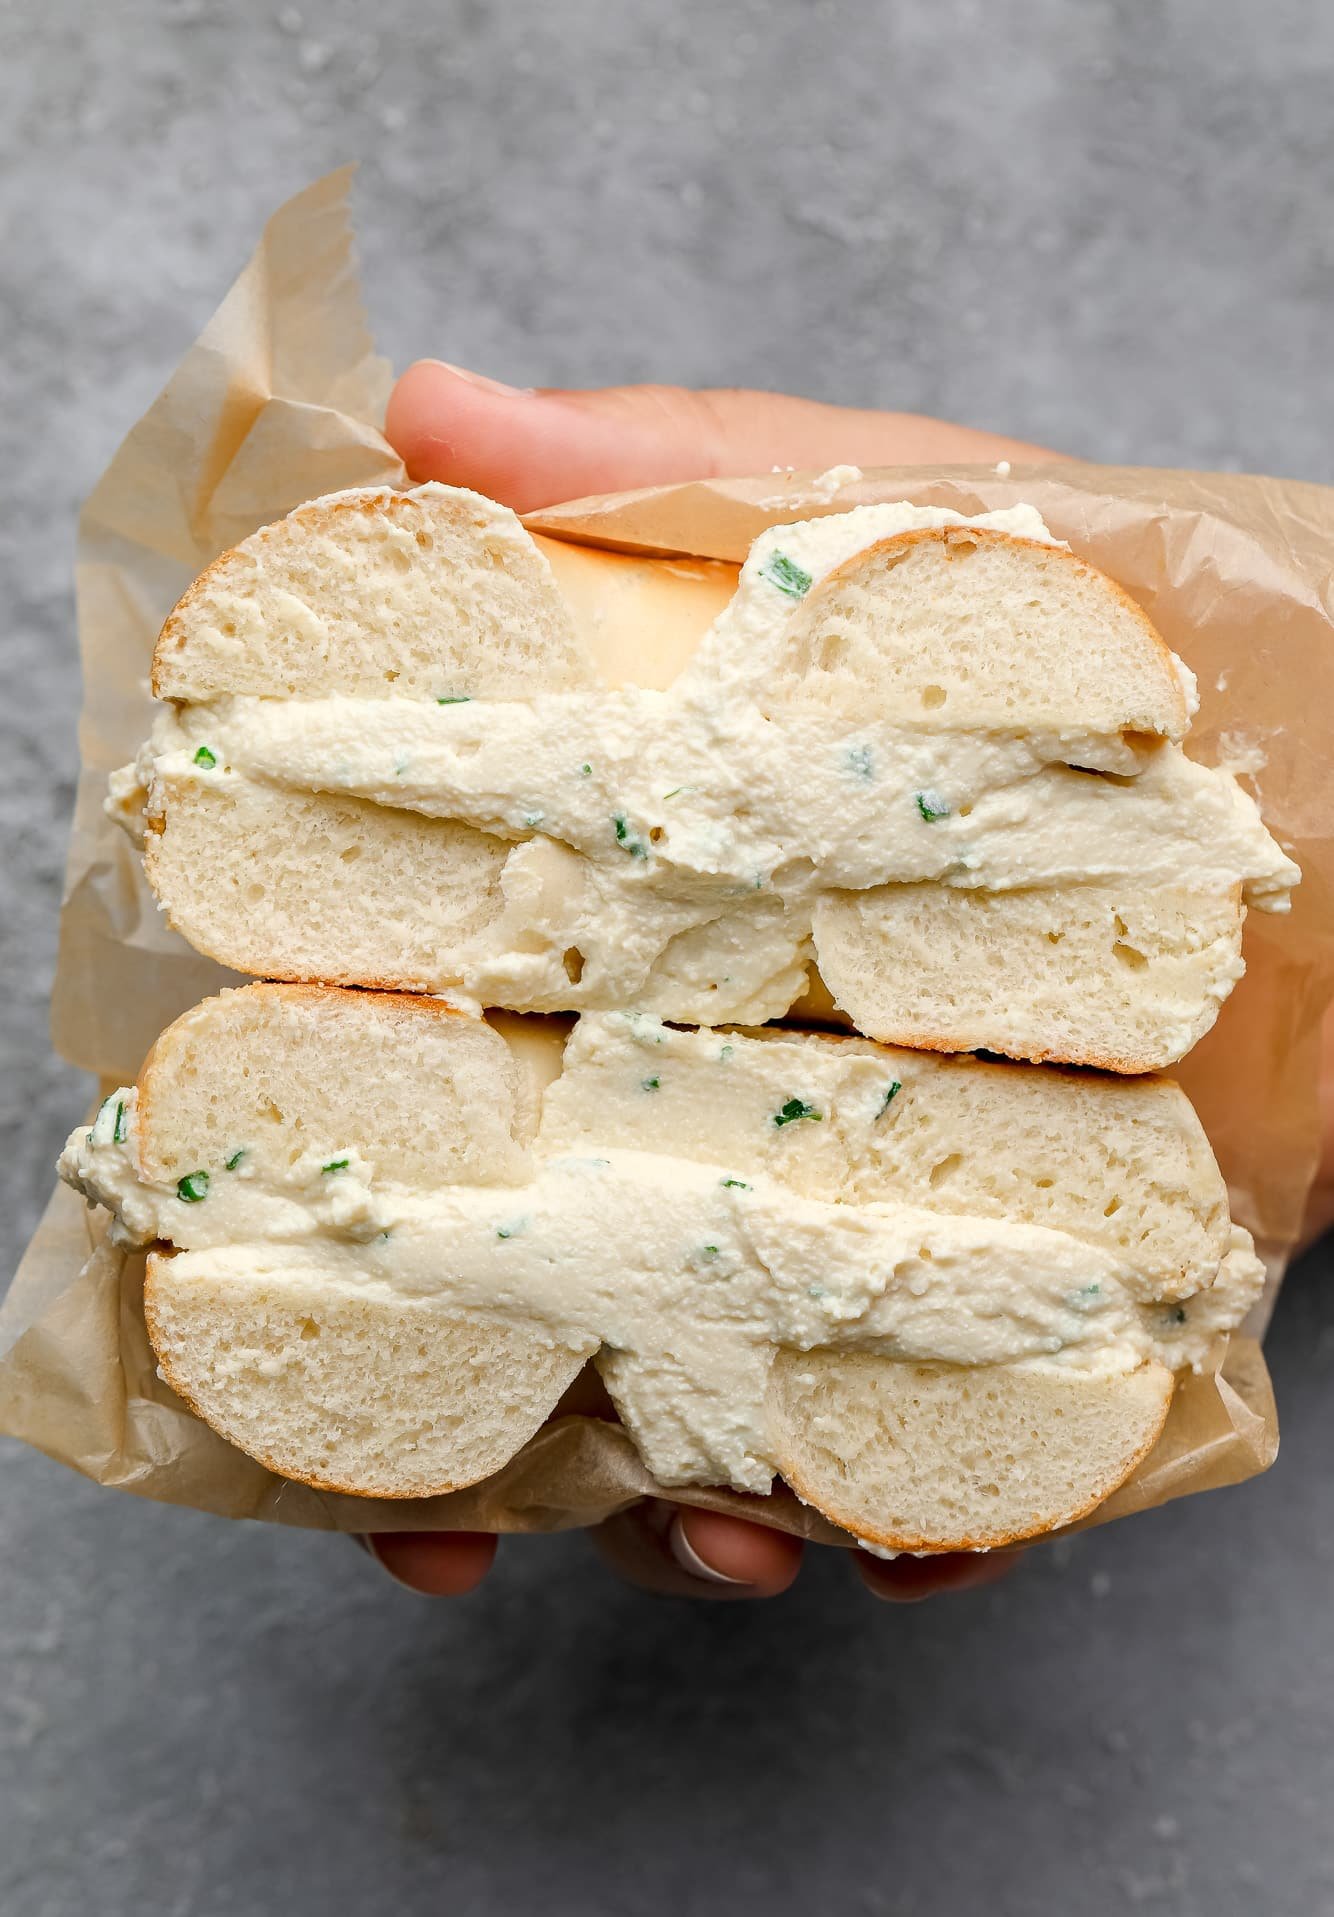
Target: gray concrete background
{"x": 1103, "y": 225}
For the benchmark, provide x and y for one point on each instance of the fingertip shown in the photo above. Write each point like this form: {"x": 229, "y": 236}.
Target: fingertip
{"x": 434, "y": 1563}
{"x": 726, "y": 1550}
{"x": 448, "y": 424}
{"x": 907, "y": 1579}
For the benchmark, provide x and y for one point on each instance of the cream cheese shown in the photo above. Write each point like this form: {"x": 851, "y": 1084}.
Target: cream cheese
{"x": 682, "y": 1275}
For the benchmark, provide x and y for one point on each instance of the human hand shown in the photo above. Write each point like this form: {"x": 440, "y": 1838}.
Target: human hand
{"x": 533, "y": 448}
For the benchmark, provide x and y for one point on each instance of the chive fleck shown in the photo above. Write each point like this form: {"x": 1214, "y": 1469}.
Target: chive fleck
{"x": 119, "y": 1130}
{"x": 932, "y": 806}
{"x": 334, "y": 1165}
{"x": 513, "y": 1229}
{"x": 787, "y": 575}
{"x": 649, "y": 1084}
{"x": 724, "y": 1053}
{"x": 235, "y": 1159}
{"x": 858, "y": 760}
{"x": 887, "y": 1100}
{"x": 454, "y": 699}
{"x": 734, "y": 1184}
{"x": 206, "y": 758}
{"x": 794, "y": 1109}
{"x": 585, "y": 770}
{"x": 626, "y": 839}
{"x": 192, "y": 1187}
{"x": 708, "y": 1251}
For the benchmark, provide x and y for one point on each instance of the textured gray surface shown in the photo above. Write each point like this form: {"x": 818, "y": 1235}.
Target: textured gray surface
{"x": 1104, "y": 225}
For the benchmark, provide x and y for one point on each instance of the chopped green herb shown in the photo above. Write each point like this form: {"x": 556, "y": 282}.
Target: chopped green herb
{"x": 585, "y": 770}
{"x": 454, "y": 699}
{"x": 192, "y": 1187}
{"x": 513, "y": 1229}
{"x": 1081, "y": 1300}
{"x": 334, "y": 1165}
{"x": 708, "y": 1251}
{"x": 794, "y": 1109}
{"x": 235, "y": 1159}
{"x": 734, "y": 1184}
{"x": 119, "y": 1130}
{"x": 890, "y": 1095}
{"x": 206, "y": 758}
{"x": 532, "y": 820}
{"x": 786, "y": 574}
{"x": 932, "y": 806}
{"x": 724, "y": 1053}
{"x": 625, "y": 838}
{"x": 650, "y": 1084}
{"x": 858, "y": 760}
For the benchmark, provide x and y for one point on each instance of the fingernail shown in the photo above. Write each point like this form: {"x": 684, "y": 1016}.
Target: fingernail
{"x": 480, "y": 380}
{"x": 388, "y": 1569}
{"x": 689, "y": 1558}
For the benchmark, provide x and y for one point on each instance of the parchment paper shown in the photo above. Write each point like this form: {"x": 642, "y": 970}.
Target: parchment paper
{"x": 281, "y": 399}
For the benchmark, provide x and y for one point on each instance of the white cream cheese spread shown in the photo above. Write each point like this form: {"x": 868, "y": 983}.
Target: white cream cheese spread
{"x": 683, "y": 1276}
{"x": 638, "y": 817}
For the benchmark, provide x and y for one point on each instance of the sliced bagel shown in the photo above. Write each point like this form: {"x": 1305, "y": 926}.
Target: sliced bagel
{"x": 387, "y": 1398}
{"x": 973, "y": 627}
{"x": 344, "y": 596}
{"x": 1127, "y": 980}
{"x": 303, "y": 885}
{"x": 386, "y": 705}
{"x": 401, "y": 1231}
{"x": 919, "y": 1457}
{"x": 320, "y": 1378}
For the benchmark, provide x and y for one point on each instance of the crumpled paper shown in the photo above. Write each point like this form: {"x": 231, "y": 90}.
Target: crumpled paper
{"x": 281, "y": 399}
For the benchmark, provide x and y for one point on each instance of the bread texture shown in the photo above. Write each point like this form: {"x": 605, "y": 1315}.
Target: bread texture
{"x": 1125, "y": 980}
{"x": 386, "y": 1399}
{"x": 293, "y": 1349}
{"x": 905, "y": 1456}
{"x": 980, "y": 628}
{"x": 343, "y": 596}
{"x": 437, "y": 596}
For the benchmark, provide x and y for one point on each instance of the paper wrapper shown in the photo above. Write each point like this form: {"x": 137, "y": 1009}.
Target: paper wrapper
{"x": 281, "y": 399}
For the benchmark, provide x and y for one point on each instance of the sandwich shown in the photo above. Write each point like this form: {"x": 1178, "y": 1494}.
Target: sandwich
{"x": 947, "y": 1299}
{"x": 920, "y": 773}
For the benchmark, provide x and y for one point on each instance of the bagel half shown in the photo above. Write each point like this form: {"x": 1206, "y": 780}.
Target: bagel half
{"x": 410, "y": 746}
{"x": 920, "y": 1247}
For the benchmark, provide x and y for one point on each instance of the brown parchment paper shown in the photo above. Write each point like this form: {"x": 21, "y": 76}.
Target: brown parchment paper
{"x": 282, "y": 398}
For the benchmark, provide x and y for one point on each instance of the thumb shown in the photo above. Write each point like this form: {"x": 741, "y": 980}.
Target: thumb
{"x": 530, "y": 449}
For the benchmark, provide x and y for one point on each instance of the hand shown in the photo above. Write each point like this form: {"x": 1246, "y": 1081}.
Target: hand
{"x": 531, "y": 449}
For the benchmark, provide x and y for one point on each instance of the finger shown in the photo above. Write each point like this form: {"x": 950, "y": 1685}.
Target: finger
{"x": 1320, "y": 1206}
{"x": 530, "y": 449}
{"x": 683, "y": 1552}
{"x": 435, "y": 1563}
{"x": 907, "y": 1580}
